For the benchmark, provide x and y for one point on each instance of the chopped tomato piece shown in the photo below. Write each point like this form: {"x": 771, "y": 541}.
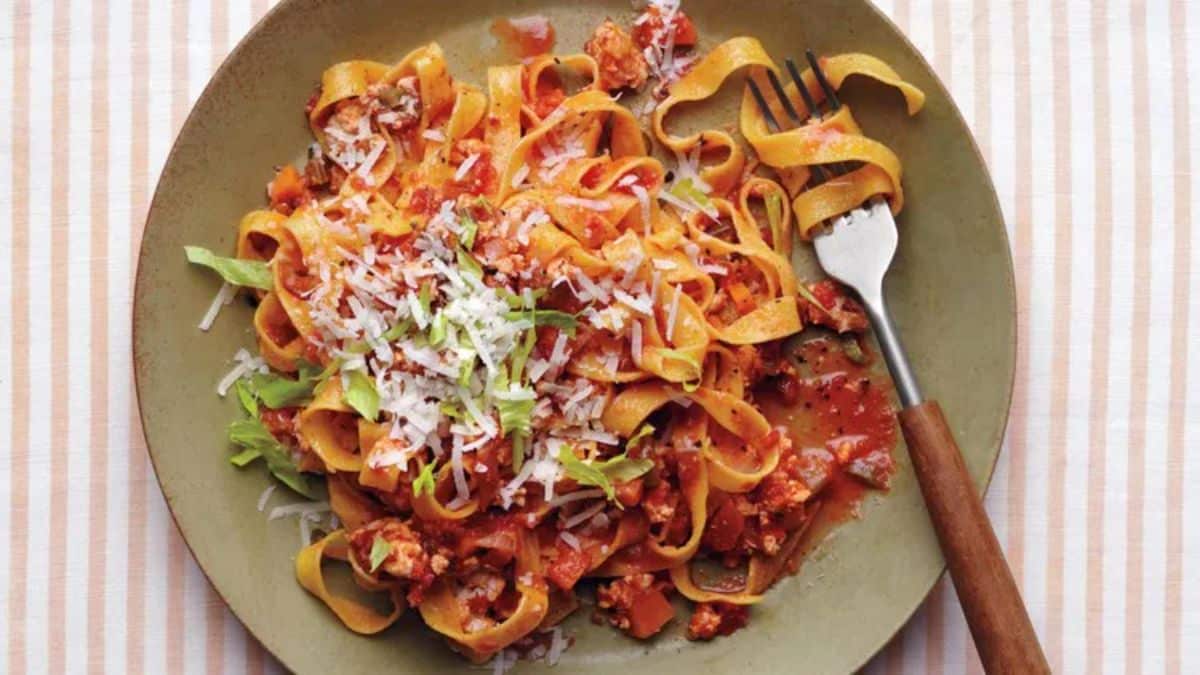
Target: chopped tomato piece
{"x": 569, "y": 567}
{"x": 287, "y": 190}
{"x": 619, "y": 60}
{"x": 741, "y": 296}
{"x": 648, "y": 27}
{"x": 724, "y": 527}
{"x": 650, "y": 612}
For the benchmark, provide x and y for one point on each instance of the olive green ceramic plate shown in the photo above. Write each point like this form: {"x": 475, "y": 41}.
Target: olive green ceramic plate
{"x": 951, "y": 291}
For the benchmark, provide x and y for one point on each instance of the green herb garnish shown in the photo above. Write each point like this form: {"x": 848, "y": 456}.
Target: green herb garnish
{"x": 380, "y": 549}
{"x": 424, "y": 482}
{"x": 360, "y": 394}
{"x": 602, "y": 473}
{"x": 257, "y": 442}
{"x": 251, "y": 273}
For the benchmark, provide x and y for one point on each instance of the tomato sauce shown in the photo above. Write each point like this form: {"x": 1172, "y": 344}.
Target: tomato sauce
{"x": 839, "y": 411}
{"x": 524, "y": 36}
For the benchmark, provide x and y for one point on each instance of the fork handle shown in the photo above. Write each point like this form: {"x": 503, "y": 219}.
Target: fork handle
{"x": 989, "y": 596}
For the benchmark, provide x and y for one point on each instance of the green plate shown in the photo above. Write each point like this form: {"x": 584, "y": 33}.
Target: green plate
{"x": 951, "y": 292}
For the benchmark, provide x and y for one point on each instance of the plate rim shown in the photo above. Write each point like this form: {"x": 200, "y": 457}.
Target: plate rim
{"x": 259, "y": 26}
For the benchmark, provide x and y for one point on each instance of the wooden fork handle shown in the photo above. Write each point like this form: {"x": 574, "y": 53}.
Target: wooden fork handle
{"x": 995, "y": 612}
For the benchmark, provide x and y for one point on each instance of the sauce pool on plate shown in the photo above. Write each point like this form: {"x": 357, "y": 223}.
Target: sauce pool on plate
{"x": 524, "y": 36}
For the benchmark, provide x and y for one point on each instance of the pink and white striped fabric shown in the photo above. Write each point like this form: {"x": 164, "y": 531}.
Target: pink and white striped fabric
{"x": 1084, "y": 110}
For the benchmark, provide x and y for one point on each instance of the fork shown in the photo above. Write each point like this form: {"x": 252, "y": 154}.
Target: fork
{"x": 857, "y": 249}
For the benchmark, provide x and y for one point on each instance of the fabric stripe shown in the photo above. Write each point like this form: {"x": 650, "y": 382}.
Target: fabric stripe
{"x": 139, "y": 181}
{"x": 1101, "y": 318}
{"x": 1134, "y": 561}
{"x": 1182, "y": 246}
{"x": 60, "y": 391}
{"x": 18, "y": 472}
{"x": 1061, "y": 336}
{"x": 8, "y": 24}
{"x": 97, "y": 559}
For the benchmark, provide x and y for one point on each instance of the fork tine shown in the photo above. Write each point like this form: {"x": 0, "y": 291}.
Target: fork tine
{"x": 819, "y": 175}
{"x": 762, "y": 105}
{"x": 783, "y": 97}
{"x": 830, "y": 92}
{"x": 804, "y": 94}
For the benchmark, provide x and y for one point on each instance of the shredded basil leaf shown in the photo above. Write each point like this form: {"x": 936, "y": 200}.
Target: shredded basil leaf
{"x": 668, "y": 353}
{"x": 277, "y": 391}
{"x": 621, "y": 469}
{"x": 644, "y": 431}
{"x": 393, "y": 333}
{"x": 247, "y": 397}
{"x": 245, "y": 457}
{"x": 547, "y": 317}
{"x": 380, "y": 549}
{"x": 425, "y": 297}
{"x": 360, "y": 394}
{"x": 516, "y": 416}
{"x": 686, "y": 190}
{"x": 437, "y": 329}
{"x": 602, "y": 473}
{"x": 774, "y": 204}
{"x": 807, "y": 294}
{"x": 467, "y": 367}
{"x": 582, "y": 472}
{"x": 251, "y": 273}
{"x": 424, "y": 482}
{"x": 518, "y": 452}
{"x": 469, "y": 229}
{"x": 468, "y": 263}
{"x": 853, "y": 350}
{"x": 255, "y": 438}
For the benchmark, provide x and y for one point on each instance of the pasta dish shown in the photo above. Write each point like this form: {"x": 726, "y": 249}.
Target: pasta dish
{"x": 520, "y": 339}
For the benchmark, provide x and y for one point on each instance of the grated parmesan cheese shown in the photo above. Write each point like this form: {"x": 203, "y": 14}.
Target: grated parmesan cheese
{"x": 224, "y": 297}
{"x": 519, "y": 176}
{"x": 465, "y": 167}
{"x": 298, "y": 509}
{"x": 266, "y": 495}
{"x": 569, "y": 539}
{"x": 643, "y": 197}
{"x": 575, "y": 496}
{"x": 584, "y": 515}
{"x": 591, "y": 204}
{"x": 635, "y": 344}
{"x": 673, "y": 313}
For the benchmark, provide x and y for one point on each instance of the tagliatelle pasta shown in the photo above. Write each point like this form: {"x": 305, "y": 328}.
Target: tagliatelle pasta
{"x": 524, "y": 352}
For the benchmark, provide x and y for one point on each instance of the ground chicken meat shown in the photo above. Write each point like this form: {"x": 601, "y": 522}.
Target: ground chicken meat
{"x": 480, "y": 589}
{"x": 716, "y": 618}
{"x": 621, "y": 62}
{"x": 660, "y": 503}
{"x": 837, "y": 311}
{"x": 636, "y": 604}
{"x": 405, "y": 559}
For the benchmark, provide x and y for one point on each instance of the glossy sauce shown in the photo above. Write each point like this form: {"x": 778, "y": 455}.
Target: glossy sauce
{"x": 524, "y": 36}
{"x": 844, "y": 408}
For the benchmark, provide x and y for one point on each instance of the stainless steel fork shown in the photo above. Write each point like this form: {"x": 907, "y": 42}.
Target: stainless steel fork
{"x": 857, "y": 249}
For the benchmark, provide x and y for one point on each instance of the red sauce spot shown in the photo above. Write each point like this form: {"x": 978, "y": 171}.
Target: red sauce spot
{"x": 842, "y": 412}
{"x": 524, "y": 36}
{"x": 651, "y": 22}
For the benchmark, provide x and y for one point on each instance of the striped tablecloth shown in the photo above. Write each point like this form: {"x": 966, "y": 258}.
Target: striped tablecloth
{"x": 1084, "y": 111}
